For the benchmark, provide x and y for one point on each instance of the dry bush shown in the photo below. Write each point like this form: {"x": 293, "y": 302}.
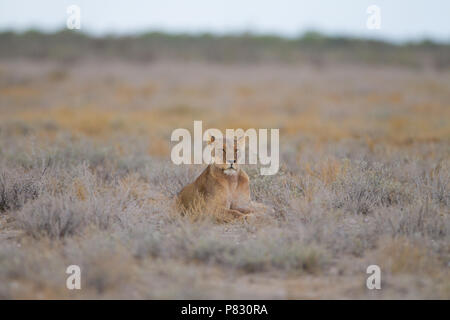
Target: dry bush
{"x": 277, "y": 192}
{"x": 129, "y": 219}
{"x": 205, "y": 242}
{"x": 364, "y": 187}
{"x": 53, "y": 217}
{"x": 16, "y": 188}
{"x": 58, "y": 217}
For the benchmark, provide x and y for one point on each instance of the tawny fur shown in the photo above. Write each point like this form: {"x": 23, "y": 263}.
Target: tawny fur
{"x": 221, "y": 188}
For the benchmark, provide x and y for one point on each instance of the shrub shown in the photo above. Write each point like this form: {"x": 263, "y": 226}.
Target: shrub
{"x": 16, "y": 188}
{"x": 364, "y": 187}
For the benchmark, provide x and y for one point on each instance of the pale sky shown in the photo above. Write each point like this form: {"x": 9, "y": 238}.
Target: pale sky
{"x": 400, "y": 19}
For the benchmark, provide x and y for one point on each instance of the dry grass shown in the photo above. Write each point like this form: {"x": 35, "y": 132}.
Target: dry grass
{"x": 85, "y": 178}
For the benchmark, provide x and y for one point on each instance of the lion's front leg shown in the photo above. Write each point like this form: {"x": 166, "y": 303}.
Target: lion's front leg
{"x": 261, "y": 207}
{"x": 228, "y": 215}
{"x": 242, "y": 207}
{"x": 251, "y": 207}
{"x": 220, "y": 205}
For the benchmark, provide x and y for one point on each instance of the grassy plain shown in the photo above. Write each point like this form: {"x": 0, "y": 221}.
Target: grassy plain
{"x": 86, "y": 179}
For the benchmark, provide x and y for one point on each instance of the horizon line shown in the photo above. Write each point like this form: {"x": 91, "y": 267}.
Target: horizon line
{"x": 235, "y": 33}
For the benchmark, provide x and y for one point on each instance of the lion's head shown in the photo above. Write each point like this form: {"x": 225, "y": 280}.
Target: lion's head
{"x": 226, "y": 153}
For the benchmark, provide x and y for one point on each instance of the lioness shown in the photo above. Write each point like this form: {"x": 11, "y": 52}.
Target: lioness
{"x": 223, "y": 187}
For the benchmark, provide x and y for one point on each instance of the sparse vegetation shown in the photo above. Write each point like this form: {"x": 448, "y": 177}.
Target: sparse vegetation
{"x": 86, "y": 178}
